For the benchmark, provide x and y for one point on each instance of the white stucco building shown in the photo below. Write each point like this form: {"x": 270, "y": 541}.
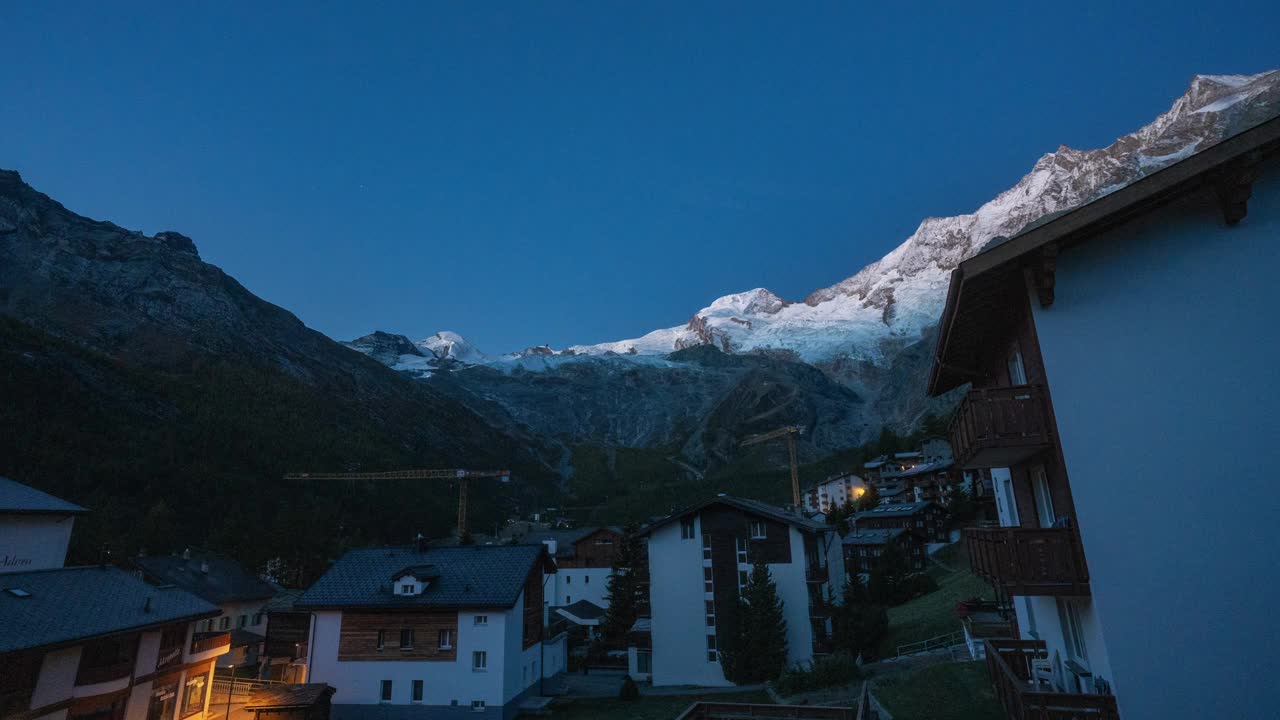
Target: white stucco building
{"x": 1117, "y": 351}
{"x": 698, "y": 561}
{"x": 35, "y": 528}
{"x": 833, "y": 493}
{"x": 431, "y": 632}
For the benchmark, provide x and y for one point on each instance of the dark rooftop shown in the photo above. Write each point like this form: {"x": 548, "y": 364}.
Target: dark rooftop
{"x": 22, "y": 499}
{"x": 753, "y": 507}
{"x": 903, "y": 510}
{"x": 922, "y": 469}
{"x": 283, "y": 601}
{"x": 467, "y": 576}
{"x": 65, "y": 605}
{"x": 283, "y": 697}
{"x": 871, "y": 537}
{"x": 584, "y": 610}
{"x": 226, "y": 581}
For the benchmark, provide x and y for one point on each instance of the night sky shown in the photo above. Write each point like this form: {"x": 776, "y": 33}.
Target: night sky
{"x": 546, "y": 172}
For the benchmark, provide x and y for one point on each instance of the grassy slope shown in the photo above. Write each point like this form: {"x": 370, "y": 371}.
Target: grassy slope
{"x": 951, "y": 691}
{"x": 934, "y": 614}
{"x": 649, "y": 707}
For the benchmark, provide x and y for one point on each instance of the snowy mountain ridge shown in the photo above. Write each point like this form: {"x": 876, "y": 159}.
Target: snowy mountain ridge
{"x": 894, "y": 300}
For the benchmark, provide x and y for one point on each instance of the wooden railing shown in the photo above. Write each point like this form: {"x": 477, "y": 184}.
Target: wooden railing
{"x": 104, "y": 673}
{"x": 206, "y": 641}
{"x": 1009, "y": 663}
{"x": 996, "y": 427}
{"x": 719, "y": 710}
{"x": 1029, "y": 561}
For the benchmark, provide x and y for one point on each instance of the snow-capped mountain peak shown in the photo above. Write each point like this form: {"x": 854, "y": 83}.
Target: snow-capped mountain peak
{"x": 448, "y": 345}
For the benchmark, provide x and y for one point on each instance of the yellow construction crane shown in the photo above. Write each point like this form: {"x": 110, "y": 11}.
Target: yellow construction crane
{"x": 462, "y": 476}
{"x": 789, "y": 432}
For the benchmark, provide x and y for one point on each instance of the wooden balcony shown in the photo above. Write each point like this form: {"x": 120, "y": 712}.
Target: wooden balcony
{"x": 206, "y": 641}
{"x": 815, "y": 573}
{"x": 999, "y": 427}
{"x": 823, "y": 646}
{"x": 820, "y": 609}
{"x": 94, "y": 675}
{"x": 1029, "y": 561}
{"x": 1026, "y": 697}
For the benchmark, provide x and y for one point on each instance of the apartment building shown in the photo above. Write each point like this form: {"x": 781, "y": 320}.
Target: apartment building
{"x": 925, "y": 519}
{"x": 422, "y": 632}
{"x": 833, "y": 493}
{"x": 92, "y": 642}
{"x": 241, "y": 596}
{"x": 584, "y": 561}
{"x": 700, "y": 559}
{"x": 864, "y": 548}
{"x": 1114, "y": 351}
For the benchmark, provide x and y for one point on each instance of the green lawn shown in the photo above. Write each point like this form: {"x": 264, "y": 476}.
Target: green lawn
{"x": 952, "y": 691}
{"x": 648, "y": 707}
{"x": 934, "y": 614}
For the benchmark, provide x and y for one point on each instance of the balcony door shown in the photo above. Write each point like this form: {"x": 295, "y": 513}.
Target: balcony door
{"x": 1005, "y": 504}
{"x": 1017, "y": 371}
{"x": 1044, "y": 501}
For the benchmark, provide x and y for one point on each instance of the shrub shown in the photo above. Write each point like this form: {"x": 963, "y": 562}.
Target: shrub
{"x": 837, "y": 669}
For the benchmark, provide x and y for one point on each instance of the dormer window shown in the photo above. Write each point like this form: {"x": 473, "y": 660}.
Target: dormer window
{"x": 407, "y": 589}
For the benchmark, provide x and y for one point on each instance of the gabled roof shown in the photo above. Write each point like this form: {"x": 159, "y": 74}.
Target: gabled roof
{"x": 751, "y": 507}
{"x": 986, "y": 285}
{"x": 283, "y": 601}
{"x": 904, "y": 510}
{"x": 226, "y": 581}
{"x": 68, "y": 605}
{"x": 19, "y": 499}
{"x": 872, "y": 537}
{"x": 583, "y": 612}
{"x": 467, "y": 576}
{"x": 922, "y": 469}
{"x": 567, "y": 540}
{"x": 419, "y": 572}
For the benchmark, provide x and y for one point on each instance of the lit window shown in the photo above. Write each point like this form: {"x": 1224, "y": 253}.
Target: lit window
{"x": 479, "y": 660}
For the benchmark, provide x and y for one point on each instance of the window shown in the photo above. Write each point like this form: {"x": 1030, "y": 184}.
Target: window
{"x": 706, "y": 580}
{"x": 568, "y": 599}
{"x": 644, "y": 662}
{"x": 1017, "y": 372}
{"x": 406, "y": 639}
{"x": 257, "y": 619}
{"x": 224, "y": 622}
{"x": 586, "y": 579}
{"x": 386, "y": 691}
{"x": 193, "y": 695}
{"x": 446, "y": 639}
{"x": 711, "y": 621}
{"x": 482, "y": 620}
{"x": 740, "y": 545}
{"x": 686, "y": 529}
{"x": 479, "y": 660}
{"x": 477, "y": 706}
{"x": 406, "y": 588}
{"x": 758, "y": 530}
{"x": 1044, "y": 501}
{"x": 242, "y": 621}
{"x": 1031, "y": 617}
{"x": 382, "y": 639}
{"x": 568, "y": 579}
{"x": 1072, "y": 635}
{"x": 417, "y": 691}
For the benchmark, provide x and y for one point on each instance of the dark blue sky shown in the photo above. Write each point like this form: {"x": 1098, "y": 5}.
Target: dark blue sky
{"x": 570, "y": 172}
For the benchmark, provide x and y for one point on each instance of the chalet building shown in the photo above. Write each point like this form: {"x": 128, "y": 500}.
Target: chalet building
{"x": 81, "y": 643}
{"x": 833, "y": 493}
{"x": 934, "y": 481}
{"x": 584, "y": 561}
{"x": 242, "y": 597}
{"x": 1114, "y": 351}
{"x": 419, "y": 632}
{"x": 285, "y": 649}
{"x": 925, "y": 519}
{"x": 863, "y": 549}
{"x": 35, "y": 528}
{"x": 700, "y": 559}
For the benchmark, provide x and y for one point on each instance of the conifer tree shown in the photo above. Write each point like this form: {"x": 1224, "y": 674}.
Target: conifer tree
{"x": 755, "y": 636}
{"x": 625, "y": 585}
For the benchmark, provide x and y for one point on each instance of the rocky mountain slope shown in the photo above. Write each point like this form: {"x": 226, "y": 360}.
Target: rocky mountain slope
{"x": 143, "y": 382}
{"x": 871, "y": 333}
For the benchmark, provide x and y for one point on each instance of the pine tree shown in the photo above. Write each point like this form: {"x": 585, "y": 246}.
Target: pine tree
{"x": 761, "y": 641}
{"x": 623, "y": 596}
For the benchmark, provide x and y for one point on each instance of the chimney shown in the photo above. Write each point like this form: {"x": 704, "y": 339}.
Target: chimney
{"x": 186, "y": 554}
{"x": 551, "y": 547}
{"x": 204, "y": 566}
{"x": 420, "y": 543}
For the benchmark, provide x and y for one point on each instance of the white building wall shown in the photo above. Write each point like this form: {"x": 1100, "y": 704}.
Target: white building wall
{"x": 569, "y": 585}
{"x": 359, "y": 683}
{"x": 793, "y": 590}
{"x": 1161, "y": 350}
{"x": 34, "y": 542}
{"x": 57, "y": 676}
{"x": 678, "y": 604}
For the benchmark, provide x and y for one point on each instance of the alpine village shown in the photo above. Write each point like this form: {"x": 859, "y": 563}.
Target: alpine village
{"x": 1030, "y": 523}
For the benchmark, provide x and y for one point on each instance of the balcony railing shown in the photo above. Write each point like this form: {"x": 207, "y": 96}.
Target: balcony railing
{"x": 104, "y": 673}
{"x": 206, "y": 641}
{"x": 1010, "y": 664}
{"x": 999, "y": 427}
{"x": 1029, "y": 561}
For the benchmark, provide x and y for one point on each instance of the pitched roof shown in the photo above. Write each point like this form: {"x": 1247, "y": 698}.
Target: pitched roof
{"x": 16, "y": 498}
{"x": 566, "y": 539}
{"x": 283, "y": 601}
{"x": 993, "y": 278}
{"x": 281, "y": 697}
{"x": 904, "y": 510}
{"x": 226, "y": 581}
{"x": 872, "y": 537}
{"x": 752, "y": 507}
{"x": 66, "y": 605}
{"x": 922, "y": 469}
{"x": 468, "y": 576}
{"x": 582, "y": 612}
